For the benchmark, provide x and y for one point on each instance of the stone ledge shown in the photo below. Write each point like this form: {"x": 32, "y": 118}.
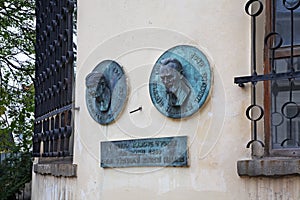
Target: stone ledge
{"x": 66, "y": 170}
{"x": 270, "y": 167}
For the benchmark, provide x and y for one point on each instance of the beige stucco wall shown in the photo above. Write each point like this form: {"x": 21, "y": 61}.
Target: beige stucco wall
{"x": 135, "y": 33}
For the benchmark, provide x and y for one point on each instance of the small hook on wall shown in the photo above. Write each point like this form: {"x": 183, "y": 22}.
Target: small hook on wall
{"x": 139, "y": 108}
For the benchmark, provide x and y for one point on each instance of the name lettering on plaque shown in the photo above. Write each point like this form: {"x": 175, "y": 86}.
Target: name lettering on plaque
{"x": 152, "y": 152}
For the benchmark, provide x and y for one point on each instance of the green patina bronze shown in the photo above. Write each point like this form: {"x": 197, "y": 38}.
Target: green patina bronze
{"x": 148, "y": 152}
{"x": 180, "y": 81}
{"x": 106, "y": 91}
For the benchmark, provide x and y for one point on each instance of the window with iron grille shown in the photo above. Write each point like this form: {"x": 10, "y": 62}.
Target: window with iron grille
{"x": 280, "y": 110}
{"x": 54, "y": 78}
{"x": 285, "y": 93}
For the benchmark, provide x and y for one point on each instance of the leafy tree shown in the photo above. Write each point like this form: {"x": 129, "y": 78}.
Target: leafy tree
{"x": 17, "y": 36}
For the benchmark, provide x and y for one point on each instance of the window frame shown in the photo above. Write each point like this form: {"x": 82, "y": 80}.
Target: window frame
{"x": 270, "y": 162}
{"x": 282, "y": 52}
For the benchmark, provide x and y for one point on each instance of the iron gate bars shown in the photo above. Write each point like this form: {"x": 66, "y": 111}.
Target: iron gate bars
{"x": 273, "y": 41}
{"x": 54, "y": 78}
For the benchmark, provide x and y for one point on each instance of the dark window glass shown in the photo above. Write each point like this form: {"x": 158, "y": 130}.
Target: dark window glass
{"x": 283, "y": 22}
{"x": 285, "y": 117}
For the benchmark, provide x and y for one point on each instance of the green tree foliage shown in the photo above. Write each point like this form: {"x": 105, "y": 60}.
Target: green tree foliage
{"x": 17, "y": 36}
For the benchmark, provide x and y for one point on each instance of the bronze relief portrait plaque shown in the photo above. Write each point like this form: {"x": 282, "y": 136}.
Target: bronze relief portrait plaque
{"x": 180, "y": 81}
{"x": 106, "y": 91}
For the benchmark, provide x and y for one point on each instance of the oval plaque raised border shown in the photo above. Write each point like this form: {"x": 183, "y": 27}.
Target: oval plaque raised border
{"x": 106, "y": 91}
{"x": 180, "y": 81}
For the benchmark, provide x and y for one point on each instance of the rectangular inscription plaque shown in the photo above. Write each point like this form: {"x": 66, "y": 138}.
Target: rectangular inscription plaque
{"x": 152, "y": 152}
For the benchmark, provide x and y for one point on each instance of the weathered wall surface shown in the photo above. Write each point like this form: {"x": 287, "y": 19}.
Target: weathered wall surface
{"x": 135, "y": 33}
{"x": 50, "y": 188}
{"x": 272, "y": 188}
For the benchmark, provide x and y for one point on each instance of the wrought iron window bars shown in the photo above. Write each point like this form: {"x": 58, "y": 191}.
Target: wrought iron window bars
{"x": 53, "y": 78}
{"x": 273, "y": 41}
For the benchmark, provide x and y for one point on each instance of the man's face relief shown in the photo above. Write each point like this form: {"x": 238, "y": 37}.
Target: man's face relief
{"x": 169, "y": 76}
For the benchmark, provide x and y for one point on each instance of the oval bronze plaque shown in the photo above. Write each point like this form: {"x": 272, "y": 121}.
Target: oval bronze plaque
{"x": 180, "y": 81}
{"x": 106, "y": 91}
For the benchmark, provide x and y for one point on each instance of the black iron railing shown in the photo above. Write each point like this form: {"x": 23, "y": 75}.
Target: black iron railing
{"x": 54, "y": 77}
{"x": 273, "y": 42}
